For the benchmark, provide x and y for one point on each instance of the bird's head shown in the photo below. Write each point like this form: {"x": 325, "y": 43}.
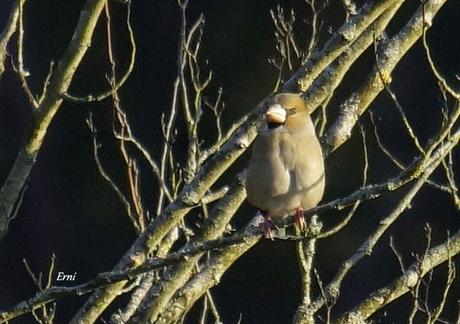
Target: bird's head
{"x": 288, "y": 110}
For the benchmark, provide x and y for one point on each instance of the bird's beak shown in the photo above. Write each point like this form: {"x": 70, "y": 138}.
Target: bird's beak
{"x": 275, "y": 114}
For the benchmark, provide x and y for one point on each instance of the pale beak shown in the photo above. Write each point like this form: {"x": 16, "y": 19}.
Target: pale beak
{"x": 275, "y": 114}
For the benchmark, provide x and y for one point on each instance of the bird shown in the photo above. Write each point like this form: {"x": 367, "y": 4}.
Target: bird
{"x": 286, "y": 170}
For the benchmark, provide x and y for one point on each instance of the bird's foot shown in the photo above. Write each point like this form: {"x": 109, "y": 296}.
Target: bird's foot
{"x": 300, "y": 219}
{"x": 267, "y": 226}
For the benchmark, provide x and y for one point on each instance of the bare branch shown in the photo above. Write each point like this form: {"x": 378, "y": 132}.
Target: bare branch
{"x": 167, "y": 141}
{"x": 206, "y": 153}
{"x": 172, "y": 279}
{"x": 351, "y": 213}
{"x": 366, "y": 248}
{"x": 117, "y": 84}
{"x": 242, "y": 242}
{"x": 106, "y": 176}
{"x": 189, "y": 197}
{"x": 306, "y": 251}
{"x": 248, "y": 236}
{"x": 397, "y": 254}
{"x": 347, "y": 34}
{"x": 8, "y": 32}
{"x": 187, "y": 275}
{"x": 350, "y": 8}
{"x": 59, "y": 82}
{"x": 207, "y": 278}
{"x": 46, "y": 314}
{"x": 434, "y": 257}
{"x": 315, "y": 27}
{"x": 451, "y": 273}
{"x": 23, "y": 74}
{"x": 448, "y": 168}
{"x": 427, "y": 17}
{"x": 382, "y": 147}
{"x": 331, "y": 77}
{"x": 384, "y": 80}
{"x": 251, "y": 234}
{"x": 391, "y": 53}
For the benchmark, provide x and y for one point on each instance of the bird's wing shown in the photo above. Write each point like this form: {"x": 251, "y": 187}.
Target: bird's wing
{"x": 302, "y": 157}
{"x": 267, "y": 175}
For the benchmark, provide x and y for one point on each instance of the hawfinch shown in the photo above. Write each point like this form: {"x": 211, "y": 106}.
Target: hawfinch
{"x": 286, "y": 170}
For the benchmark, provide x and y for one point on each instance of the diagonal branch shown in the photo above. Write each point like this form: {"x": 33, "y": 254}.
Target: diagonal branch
{"x": 250, "y": 233}
{"x": 331, "y": 77}
{"x": 403, "y": 284}
{"x": 390, "y": 54}
{"x": 52, "y": 100}
{"x": 118, "y": 83}
{"x": 302, "y": 79}
{"x": 333, "y": 288}
{"x": 9, "y": 30}
{"x": 23, "y": 74}
{"x": 210, "y": 276}
{"x": 177, "y": 276}
{"x": 243, "y": 240}
{"x": 189, "y": 197}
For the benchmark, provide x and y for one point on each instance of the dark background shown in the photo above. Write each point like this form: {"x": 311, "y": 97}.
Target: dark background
{"x": 69, "y": 210}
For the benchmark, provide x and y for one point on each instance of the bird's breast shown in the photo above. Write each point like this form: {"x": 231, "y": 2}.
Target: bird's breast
{"x": 285, "y": 172}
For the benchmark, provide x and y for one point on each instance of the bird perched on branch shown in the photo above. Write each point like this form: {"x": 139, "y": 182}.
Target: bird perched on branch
{"x": 286, "y": 171}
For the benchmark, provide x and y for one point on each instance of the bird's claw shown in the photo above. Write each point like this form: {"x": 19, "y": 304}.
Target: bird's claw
{"x": 267, "y": 226}
{"x": 300, "y": 220}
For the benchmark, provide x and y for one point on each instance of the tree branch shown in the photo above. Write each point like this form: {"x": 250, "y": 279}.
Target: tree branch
{"x": 302, "y": 79}
{"x": 390, "y": 54}
{"x": 60, "y": 81}
{"x": 403, "y": 284}
{"x": 9, "y": 31}
{"x": 331, "y": 77}
{"x": 177, "y": 276}
{"x": 117, "y": 84}
{"x": 189, "y": 197}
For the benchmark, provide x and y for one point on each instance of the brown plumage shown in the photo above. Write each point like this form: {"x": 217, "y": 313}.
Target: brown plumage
{"x": 286, "y": 170}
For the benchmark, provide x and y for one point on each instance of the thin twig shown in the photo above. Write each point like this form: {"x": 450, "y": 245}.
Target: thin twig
{"x": 167, "y": 141}
{"x": 117, "y": 84}
{"x": 368, "y": 192}
{"x": 46, "y": 314}
{"x": 366, "y": 248}
{"x": 106, "y": 176}
{"x": 387, "y": 87}
{"x": 391, "y": 53}
{"x": 351, "y": 213}
{"x": 347, "y": 34}
{"x": 433, "y": 67}
{"x": 397, "y": 254}
{"x": 8, "y": 32}
{"x": 23, "y": 74}
{"x": 385, "y": 295}
{"x": 451, "y": 274}
{"x": 449, "y": 171}
{"x": 131, "y": 166}
{"x": 306, "y": 251}
{"x": 383, "y": 147}
{"x": 415, "y": 306}
{"x": 350, "y": 8}
{"x": 314, "y": 31}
